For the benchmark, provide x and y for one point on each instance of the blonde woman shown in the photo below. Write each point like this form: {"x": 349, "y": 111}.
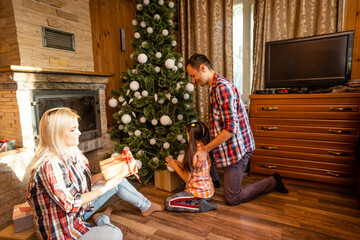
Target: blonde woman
{"x": 60, "y": 185}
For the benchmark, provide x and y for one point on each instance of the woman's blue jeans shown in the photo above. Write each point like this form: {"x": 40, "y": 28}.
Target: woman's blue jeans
{"x": 104, "y": 229}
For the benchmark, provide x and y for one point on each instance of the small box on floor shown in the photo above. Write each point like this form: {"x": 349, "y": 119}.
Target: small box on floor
{"x": 22, "y": 217}
{"x": 7, "y": 145}
{"x": 167, "y": 180}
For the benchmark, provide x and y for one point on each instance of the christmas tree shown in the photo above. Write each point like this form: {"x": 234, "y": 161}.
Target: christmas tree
{"x": 156, "y": 101}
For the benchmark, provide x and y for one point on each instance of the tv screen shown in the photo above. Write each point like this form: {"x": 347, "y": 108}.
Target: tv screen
{"x": 314, "y": 62}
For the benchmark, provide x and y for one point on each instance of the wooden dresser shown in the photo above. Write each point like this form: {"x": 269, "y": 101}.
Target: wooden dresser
{"x": 306, "y": 136}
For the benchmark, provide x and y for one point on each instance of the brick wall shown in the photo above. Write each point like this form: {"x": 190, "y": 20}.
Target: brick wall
{"x": 9, "y": 51}
{"x": 66, "y": 15}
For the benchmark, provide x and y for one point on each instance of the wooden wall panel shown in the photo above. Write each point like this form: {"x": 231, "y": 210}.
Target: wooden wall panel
{"x": 107, "y": 18}
{"x": 352, "y": 22}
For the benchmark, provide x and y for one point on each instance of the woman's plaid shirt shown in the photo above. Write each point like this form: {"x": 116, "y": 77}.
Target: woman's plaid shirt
{"x": 54, "y": 193}
{"x": 229, "y": 113}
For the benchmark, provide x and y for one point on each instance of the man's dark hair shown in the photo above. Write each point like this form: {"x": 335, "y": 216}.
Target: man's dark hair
{"x": 197, "y": 59}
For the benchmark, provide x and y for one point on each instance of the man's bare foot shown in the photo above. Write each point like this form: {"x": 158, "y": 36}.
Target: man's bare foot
{"x": 108, "y": 211}
{"x": 153, "y": 208}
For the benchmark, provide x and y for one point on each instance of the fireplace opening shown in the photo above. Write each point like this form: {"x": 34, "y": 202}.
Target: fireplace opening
{"x": 85, "y": 103}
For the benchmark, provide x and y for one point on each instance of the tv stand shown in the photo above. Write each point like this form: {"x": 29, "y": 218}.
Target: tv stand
{"x": 306, "y": 136}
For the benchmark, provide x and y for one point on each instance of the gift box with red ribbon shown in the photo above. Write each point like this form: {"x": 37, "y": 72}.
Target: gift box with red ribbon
{"x": 121, "y": 165}
{"x": 7, "y": 145}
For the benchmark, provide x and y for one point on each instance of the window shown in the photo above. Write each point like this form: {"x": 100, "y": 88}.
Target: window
{"x": 243, "y": 25}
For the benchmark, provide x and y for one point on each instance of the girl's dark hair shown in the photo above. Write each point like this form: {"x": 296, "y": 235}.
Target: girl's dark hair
{"x": 197, "y": 131}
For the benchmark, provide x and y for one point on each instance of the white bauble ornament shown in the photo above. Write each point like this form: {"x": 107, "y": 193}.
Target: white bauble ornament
{"x": 189, "y": 87}
{"x": 132, "y": 56}
{"x": 121, "y": 127}
{"x": 180, "y": 158}
{"x": 126, "y": 148}
{"x": 182, "y": 152}
{"x": 180, "y": 65}
{"x": 134, "y": 85}
{"x": 152, "y": 141}
{"x": 166, "y": 145}
{"x": 161, "y": 2}
{"x": 171, "y": 22}
{"x": 174, "y": 100}
{"x": 165, "y": 32}
{"x": 124, "y": 103}
{"x": 137, "y": 35}
{"x": 134, "y": 71}
{"x": 143, "y": 44}
{"x": 143, "y": 119}
{"x": 146, "y": 2}
{"x": 173, "y": 43}
{"x": 186, "y": 96}
{"x": 165, "y": 120}
{"x": 169, "y": 63}
{"x": 157, "y": 69}
{"x": 154, "y": 122}
{"x": 181, "y": 59}
{"x": 183, "y": 141}
{"x": 144, "y": 93}
{"x": 126, "y": 118}
{"x": 175, "y": 68}
{"x": 171, "y": 4}
{"x": 115, "y": 154}
{"x": 168, "y": 96}
{"x": 178, "y": 86}
{"x": 131, "y": 100}
{"x": 143, "y": 24}
{"x": 113, "y": 102}
{"x": 161, "y": 101}
{"x": 140, "y": 152}
{"x": 158, "y": 54}
{"x": 155, "y": 160}
{"x": 138, "y": 164}
{"x": 119, "y": 112}
{"x": 180, "y": 117}
{"x": 149, "y": 30}
{"x": 121, "y": 99}
{"x": 179, "y": 137}
{"x": 137, "y": 95}
{"x": 157, "y": 17}
{"x": 134, "y": 22}
{"x": 142, "y": 58}
{"x": 133, "y": 114}
{"x": 125, "y": 77}
{"x": 130, "y": 133}
{"x": 128, "y": 92}
{"x": 139, "y": 7}
{"x": 155, "y": 97}
{"x": 137, "y": 133}
{"x": 170, "y": 169}
{"x": 170, "y": 122}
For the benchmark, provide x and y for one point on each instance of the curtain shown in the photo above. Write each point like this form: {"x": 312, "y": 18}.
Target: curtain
{"x": 285, "y": 19}
{"x": 206, "y": 28}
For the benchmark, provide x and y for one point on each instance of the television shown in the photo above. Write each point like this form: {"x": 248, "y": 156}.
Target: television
{"x": 316, "y": 62}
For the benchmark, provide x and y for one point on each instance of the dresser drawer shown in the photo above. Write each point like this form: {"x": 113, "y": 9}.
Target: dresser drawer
{"x": 326, "y": 130}
{"x": 331, "y": 173}
{"x": 306, "y": 107}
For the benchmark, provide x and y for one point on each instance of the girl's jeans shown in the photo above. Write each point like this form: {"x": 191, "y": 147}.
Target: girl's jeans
{"x": 104, "y": 229}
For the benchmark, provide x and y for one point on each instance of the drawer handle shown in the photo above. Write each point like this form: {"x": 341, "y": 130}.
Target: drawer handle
{"x": 336, "y": 174}
{"x": 269, "y": 128}
{"x": 340, "y": 109}
{"x": 270, "y": 108}
{"x": 269, "y": 148}
{"x": 268, "y": 166}
{"x": 339, "y": 131}
{"x": 338, "y": 153}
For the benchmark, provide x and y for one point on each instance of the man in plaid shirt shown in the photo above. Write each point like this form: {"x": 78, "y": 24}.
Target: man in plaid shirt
{"x": 232, "y": 141}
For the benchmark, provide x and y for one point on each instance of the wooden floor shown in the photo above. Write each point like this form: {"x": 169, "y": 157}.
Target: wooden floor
{"x": 309, "y": 211}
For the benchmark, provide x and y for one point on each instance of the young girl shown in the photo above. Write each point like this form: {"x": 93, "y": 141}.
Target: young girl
{"x": 60, "y": 185}
{"x": 199, "y": 187}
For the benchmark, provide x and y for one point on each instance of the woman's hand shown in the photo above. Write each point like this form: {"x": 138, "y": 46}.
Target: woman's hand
{"x": 171, "y": 162}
